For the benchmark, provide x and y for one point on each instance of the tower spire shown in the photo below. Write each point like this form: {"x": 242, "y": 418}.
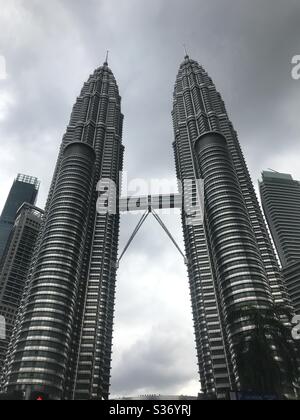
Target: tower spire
{"x": 186, "y": 51}
{"x": 106, "y": 58}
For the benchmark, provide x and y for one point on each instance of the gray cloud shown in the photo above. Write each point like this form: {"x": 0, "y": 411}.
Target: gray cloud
{"x": 154, "y": 365}
{"x": 52, "y": 47}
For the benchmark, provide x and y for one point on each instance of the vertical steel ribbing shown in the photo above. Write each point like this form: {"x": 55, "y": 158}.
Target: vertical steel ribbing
{"x": 43, "y": 345}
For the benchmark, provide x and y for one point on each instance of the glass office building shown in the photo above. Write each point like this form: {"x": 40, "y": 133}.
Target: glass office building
{"x": 280, "y": 195}
{"x": 15, "y": 268}
{"x": 24, "y": 190}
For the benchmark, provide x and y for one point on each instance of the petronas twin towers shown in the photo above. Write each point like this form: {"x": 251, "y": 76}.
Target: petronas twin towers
{"x": 62, "y": 340}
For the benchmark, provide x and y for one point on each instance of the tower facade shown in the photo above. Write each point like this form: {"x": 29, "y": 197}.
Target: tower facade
{"x": 280, "y": 195}
{"x": 24, "y": 190}
{"x": 62, "y": 343}
{"x": 231, "y": 261}
{"x": 15, "y": 268}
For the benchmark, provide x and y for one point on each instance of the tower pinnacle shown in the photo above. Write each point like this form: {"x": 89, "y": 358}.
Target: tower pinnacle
{"x": 186, "y": 52}
{"x": 106, "y": 58}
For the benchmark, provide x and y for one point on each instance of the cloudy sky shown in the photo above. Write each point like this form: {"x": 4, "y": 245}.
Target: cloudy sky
{"x": 50, "y": 49}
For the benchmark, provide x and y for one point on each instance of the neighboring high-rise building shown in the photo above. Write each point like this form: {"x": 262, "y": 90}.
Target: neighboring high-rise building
{"x": 280, "y": 195}
{"x": 231, "y": 258}
{"x": 15, "y": 267}
{"x": 62, "y": 346}
{"x": 24, "y": 190}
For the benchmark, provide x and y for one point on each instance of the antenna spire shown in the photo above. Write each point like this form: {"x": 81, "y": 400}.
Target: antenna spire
{"x": 186, "y": 51}
{"x": 106, "y": 58}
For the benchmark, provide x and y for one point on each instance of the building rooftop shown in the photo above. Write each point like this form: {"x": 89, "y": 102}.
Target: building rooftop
{"x": 276, "y": 175}
{"x": 27, "y": 179}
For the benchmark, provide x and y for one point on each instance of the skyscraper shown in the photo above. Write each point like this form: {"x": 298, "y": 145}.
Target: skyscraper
{"x": 280, "y": 195}
{"x": 231, "y": 258}
{"x": 15, "y": 267}
{"x": 24, "y": 190}
{"x": 63, "y": 343}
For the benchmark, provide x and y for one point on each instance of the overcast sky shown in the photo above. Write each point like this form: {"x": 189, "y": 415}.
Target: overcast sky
{"x": 51, "y": 48}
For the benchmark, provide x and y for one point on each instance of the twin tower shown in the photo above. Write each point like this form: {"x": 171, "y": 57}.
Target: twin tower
{"x": 62, "y": 340}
